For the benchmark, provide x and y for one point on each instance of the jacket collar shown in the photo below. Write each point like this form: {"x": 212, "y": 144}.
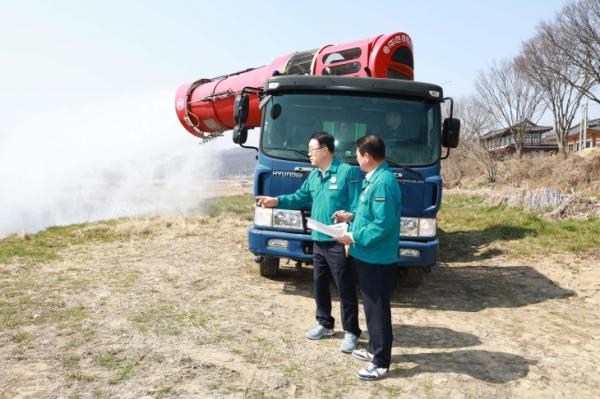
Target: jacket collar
{"x": 374, "y": 174}
{"x": 332, "y": 169}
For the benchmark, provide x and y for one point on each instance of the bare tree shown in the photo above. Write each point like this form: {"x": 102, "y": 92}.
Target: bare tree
{"x": 456, "y": 167}
{"x": 508, "y": 95}
{"x": 541, "y": 63}
{"x": 475, "y": 122}
{"x": 575, "y": 34}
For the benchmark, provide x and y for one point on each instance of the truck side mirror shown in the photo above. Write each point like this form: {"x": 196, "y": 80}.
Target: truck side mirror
{"x": 240, "y": 108}
{"x": 450, "y": 132}
{"x": 240, "y": 115}
{"x": 240, "y": 134}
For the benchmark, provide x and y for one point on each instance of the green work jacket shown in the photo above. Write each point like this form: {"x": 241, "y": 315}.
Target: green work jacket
{"x": 338, "y": 189}
{"x": 376, "y": 226}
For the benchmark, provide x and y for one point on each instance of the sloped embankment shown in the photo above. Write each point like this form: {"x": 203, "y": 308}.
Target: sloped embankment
{"x": 173, "y": 307}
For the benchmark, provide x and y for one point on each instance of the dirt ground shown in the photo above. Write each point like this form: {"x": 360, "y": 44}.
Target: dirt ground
{"x": 179, "y": 311}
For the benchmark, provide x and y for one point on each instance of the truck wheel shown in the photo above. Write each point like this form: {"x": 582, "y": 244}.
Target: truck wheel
{"x": 409, "y": 277}
{"x": 269, "y": 267}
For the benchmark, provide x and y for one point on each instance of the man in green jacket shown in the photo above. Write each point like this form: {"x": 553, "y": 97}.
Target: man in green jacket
{"x": 330, "y": 187}
{"x": 373, "y": 240}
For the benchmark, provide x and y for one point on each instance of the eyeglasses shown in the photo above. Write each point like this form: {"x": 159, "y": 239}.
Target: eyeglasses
{"x": 311, "y": 150}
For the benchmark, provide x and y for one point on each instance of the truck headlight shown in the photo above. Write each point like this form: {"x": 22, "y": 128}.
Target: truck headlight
{"x": 287, "y": 219}
{"x": 427, "y": 227}
{"x": 283, "y": 218}
{"x": 418, "y": 227}
{"x": 409, "y": 227}
{"x": 263, "y": 216}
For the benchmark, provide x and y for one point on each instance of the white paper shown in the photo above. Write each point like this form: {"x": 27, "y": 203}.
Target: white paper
{"x": 333, "y": 230}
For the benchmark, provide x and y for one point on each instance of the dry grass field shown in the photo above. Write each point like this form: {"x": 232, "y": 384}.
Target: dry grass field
{"x": 173, "y": 307}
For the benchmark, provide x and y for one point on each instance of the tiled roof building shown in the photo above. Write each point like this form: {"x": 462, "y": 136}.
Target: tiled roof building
{"x": 502, "y": 141}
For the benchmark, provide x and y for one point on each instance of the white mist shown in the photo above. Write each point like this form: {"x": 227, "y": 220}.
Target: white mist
{"x": 74, "y": 159}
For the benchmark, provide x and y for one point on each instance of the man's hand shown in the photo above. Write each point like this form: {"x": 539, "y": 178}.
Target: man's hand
{"x": 342, "y": 216}
{"x": 266, "y": 202}
{"x": 345, "y": 239}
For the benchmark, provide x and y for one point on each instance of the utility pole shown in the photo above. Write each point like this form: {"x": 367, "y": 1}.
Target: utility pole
{"x": 583, "y": 125}
{"x": 584, "y": 117}
{"x": 584, "y": 121}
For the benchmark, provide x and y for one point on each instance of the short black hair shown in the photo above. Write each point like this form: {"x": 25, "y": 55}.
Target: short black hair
{"x": 372, "y": 145}
{"x": 325, "y": 140}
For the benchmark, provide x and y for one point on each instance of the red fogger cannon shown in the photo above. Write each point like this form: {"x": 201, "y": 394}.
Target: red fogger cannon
{"x": 205, "y": 107}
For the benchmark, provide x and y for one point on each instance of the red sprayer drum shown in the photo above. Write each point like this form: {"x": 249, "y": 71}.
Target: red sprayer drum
{"x": 205, "y": 107}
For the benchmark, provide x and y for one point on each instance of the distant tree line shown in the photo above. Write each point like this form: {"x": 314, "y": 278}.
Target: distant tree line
{"x": 553, "y": 72}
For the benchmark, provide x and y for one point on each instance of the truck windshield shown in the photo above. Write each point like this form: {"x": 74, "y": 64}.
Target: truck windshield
{"x": 410, "y": 128}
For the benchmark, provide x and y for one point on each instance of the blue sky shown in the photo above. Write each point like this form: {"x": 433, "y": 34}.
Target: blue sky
{"x": 87, "y": 88}
{"x": 61, "y": 48}
{"x": 126, "y": 45}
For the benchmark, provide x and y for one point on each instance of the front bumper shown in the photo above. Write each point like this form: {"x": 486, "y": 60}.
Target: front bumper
{"x": 427, "y": 253}
{"x": 300, "y": 247}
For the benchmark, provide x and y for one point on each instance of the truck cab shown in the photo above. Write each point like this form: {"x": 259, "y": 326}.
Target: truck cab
{"x": 294, "y": 107}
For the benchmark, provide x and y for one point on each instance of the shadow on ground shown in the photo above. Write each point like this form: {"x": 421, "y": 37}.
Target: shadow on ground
{"x": 456, "y": 288}
{"x": 493, "y": 367}
{"x": 470, "y": 246}
{"x": 474, "y": 288}
{"x": 407, "y": 336}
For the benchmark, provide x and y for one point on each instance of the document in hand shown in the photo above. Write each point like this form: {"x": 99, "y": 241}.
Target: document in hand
{"x": 333, "y": 230}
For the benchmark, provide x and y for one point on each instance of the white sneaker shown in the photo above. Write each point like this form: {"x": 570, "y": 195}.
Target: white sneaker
{"x": 371, "y": 373}
{"x": 362, "y": 354}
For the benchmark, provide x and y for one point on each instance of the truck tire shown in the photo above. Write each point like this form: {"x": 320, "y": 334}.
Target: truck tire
{"x": 269, "y": 267}
{"x": 409, "y": 277}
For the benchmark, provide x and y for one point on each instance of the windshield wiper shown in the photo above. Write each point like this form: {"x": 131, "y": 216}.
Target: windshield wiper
{"x": 291, "y": 150}
{"x": 397, "y": 165}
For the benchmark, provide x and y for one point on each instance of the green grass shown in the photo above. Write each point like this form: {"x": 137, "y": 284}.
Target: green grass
{"x": 71, "y": 361}
{"x": 164, "y": 392}
{"x": 21, "y": 309}
{"x": 428, "y": 387}
{"x": 115, "y": 360}
{"x": 292, "y": 371}
{"x": 125, "y": 279}
{"x": 110, "y": 360}
{"x": 124, "y": 372}
{"x": 168, "y": 319}
{"x": 469, "y": 230}
{"x": 82, "y": 377}
{"x": 393, "y": 391}
{"x": 46, "y": 245}
{"x": 241, "y": 205}
{"x": 19, "y": 337}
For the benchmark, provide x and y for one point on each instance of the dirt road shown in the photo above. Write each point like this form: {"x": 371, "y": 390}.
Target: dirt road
{"x": 180, "y": 311}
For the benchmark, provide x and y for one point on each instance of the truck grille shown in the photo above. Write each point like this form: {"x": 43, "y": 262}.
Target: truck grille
{"x": 305, "y": 215}
{"x": 307, "y": 247}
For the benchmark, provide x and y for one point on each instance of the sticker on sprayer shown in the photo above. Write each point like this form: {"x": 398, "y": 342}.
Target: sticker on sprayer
{"x": 180, "y": 104}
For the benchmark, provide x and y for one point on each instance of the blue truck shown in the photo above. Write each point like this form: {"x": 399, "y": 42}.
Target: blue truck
{"x": 349, "y": 91}
{"x": 348, "y": 108}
